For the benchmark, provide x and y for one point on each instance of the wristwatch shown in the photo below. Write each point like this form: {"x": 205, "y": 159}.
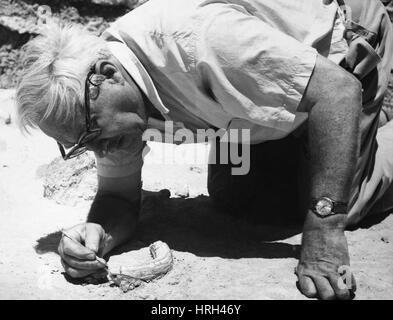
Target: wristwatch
{"x": 325, "y": 207}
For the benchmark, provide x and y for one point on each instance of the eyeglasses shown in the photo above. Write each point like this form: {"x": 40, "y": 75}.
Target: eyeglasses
{"x": 90, "y": 134}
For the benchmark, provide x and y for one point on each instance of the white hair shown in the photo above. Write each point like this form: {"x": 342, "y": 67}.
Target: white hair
{"x": 55, "y": 66}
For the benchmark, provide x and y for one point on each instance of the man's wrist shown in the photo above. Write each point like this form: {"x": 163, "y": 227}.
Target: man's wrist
{"x": 113, "y": 239}
{"x": 117, "y": 216}
{"x": 119, "y": 233}
{"x": 333, "y": 222}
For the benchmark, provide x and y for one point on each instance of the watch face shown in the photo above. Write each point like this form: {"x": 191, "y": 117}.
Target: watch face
{"x": 324, "y": 207}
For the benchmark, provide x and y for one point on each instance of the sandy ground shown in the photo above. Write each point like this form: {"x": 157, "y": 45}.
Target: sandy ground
{"x": 216, "y": 256}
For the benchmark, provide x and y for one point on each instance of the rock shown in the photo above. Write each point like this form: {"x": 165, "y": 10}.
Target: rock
{"x": 20, "y": 21}
{"x": 20, "y": 24}
{"x": 26, "y": 17}
{"x": 54, "y": 270}
{"x": 7, "y": 121}
{"x": 127, "y": 3}
{"x": 196, "y": 169}
{"x": 70, "y": 182}
{"x": 10, "y": 69}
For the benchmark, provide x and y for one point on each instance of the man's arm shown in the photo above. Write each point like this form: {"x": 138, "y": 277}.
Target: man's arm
{"x": 113, "y": 214}
{"x": 116, "y": 208}
{"x": 333, "y": 101}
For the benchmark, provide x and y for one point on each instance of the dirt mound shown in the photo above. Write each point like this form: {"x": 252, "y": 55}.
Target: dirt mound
{"x": 70, "y": 182}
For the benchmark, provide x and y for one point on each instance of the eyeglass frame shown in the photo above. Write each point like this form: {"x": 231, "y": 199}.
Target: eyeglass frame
{"x": 89, "y": 134}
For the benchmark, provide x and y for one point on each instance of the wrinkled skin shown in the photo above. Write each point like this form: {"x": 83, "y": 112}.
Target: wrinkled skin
{"x": 79, "y": 249}
{"x": 324, "y": 257}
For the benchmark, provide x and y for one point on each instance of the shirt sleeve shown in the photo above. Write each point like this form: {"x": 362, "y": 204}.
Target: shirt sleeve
{"x": 254, "y": 71}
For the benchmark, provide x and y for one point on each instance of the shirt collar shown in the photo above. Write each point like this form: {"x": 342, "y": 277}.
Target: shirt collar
{"x": 137, "y": 71}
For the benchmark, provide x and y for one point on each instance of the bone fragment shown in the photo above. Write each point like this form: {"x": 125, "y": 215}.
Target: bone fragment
{"x": 128, "y": 276}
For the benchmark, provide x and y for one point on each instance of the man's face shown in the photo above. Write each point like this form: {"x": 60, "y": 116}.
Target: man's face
{"x": 120, "y": 113}
{"x": 118, "y": 110}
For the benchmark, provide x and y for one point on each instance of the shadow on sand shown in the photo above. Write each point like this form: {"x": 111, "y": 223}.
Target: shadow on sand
{"x": 198, "y": 226}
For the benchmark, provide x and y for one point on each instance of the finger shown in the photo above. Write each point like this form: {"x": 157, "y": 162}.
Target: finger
{"x": 75, "y": 273}
{"x": 100, "y": 275}
{"x": 340, "y": 288}
{"x": 83, "y": 264}
{"x": 76, "y": 233}
{"x": 73, "y": 248}
{"x": 94, "y": 235}
{"x": 60, "y": 248}
{"x": 353, "y": 285}
{"x": 307, "y": 287}
{"x": 327, "y": 1}
{"x": 325, "y": 290}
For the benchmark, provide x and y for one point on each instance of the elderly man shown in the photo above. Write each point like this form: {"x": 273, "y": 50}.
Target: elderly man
{"x": 304, "y": 73}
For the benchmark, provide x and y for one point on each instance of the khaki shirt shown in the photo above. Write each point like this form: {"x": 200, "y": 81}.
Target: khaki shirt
{"x": 223, "y": 63}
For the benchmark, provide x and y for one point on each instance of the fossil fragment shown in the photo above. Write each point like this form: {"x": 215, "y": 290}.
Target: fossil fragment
{"x": 126, "y": 283}
{"x": 128, "y": 277}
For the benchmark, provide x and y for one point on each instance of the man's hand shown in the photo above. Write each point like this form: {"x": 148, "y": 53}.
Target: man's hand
{"x": 324, "y": 256}
{"x": 111, "y": 222}
{"x": 79, "y": 247}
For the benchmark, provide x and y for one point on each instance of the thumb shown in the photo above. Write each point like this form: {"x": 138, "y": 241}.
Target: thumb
{"x": 94, "y": 234}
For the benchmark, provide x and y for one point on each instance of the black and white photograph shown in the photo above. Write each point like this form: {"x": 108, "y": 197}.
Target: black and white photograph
{"x": 196, "y": 150}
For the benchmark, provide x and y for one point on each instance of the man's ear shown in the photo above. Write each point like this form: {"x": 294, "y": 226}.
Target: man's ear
{"x": 105, "y": 68}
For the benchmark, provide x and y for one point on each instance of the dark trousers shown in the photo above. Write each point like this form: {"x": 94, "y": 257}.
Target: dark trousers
{"x": 275, "y": 189}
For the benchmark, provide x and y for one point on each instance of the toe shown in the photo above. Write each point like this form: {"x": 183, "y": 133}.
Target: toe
{"x": 307, "y": 287}
{"x": 325, "y": 290}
